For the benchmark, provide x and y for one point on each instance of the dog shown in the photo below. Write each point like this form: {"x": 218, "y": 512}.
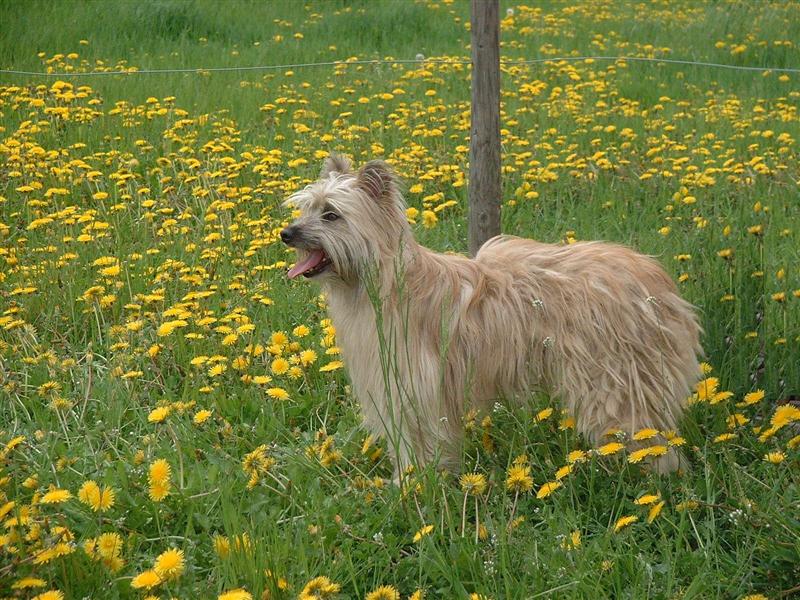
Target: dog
{"x": 428, "y": 336}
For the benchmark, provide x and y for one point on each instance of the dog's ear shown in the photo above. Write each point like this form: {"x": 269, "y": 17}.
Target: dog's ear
{"x": 377, "y": 179}
{"x": 335, "y": 163}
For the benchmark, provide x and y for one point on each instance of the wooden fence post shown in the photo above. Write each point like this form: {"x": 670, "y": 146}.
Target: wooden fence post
{"x": 484, "y": 143}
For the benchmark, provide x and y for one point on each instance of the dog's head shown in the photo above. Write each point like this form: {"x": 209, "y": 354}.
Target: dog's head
{"x": 349, "y": 220}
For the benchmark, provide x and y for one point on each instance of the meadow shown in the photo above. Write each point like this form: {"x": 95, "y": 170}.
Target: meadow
{"x": 175, "y": 418}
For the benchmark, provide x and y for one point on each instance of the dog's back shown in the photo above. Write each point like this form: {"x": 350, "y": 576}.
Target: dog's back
{"x": 621, "y": 345}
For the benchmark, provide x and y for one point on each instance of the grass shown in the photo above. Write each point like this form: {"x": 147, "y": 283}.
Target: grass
{"x": 140, "y": 269}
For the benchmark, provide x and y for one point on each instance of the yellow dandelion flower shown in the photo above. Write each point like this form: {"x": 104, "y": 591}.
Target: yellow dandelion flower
{"x": 623, "y": 522}
{"x": 146, "y": 579}
{"x": 222, "y": 545}
{"x": 277, "y": 393}
{"x": 564, "y": 471}
{"x": 331, "y": 366}
{"x": 519, "y": 479}
{"x": 159, "y": 490}
{"x": 576, "y": 456}
{"x": 384, "y": 592}
{"x": 237, "y": 594}
{"x": 542, "y": 415}
{"x": 49, "y": 595}
{"x": 158, "y": 415}
{"x": 308, "y": 357}
{"x": 754, "y": 397}
{"x": 645, "y": 434}
{"x": 639, "y": 455}
{"x": 169, "y": 564}
{"x": 201, "y": 416}
{"x": 705, "y": 389}
{"x": 318, "y": 589}
{"x": 168, "y": 327}
{"x": 217, "y": 369}
{"x": 784, "y": 415}
{"x": 160, "y": 471}
{"x": 109, "y": 545}
{"x": 426, "y": 530}
{"x": 301, "y": 331}
{"x": 610, "y": 448}
{"x": 725, "y": 437}
{"x": 55, "y": 497}
{"x": 279, "y": 366}
{"x": 473, "y": 483}
{"x": 774, "y": 457}
{"x": 89, "y": 493}
{"x": 547, "y": 489}
{"x": 646, "y": 499}
{"x": 27, "y": 583}
{"x": 654, "y": 511}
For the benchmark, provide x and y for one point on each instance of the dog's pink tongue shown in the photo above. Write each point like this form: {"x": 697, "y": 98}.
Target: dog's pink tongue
{"x": 311, "y": 261}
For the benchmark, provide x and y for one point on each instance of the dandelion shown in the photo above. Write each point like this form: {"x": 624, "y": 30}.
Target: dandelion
{"x": 774, "y": 457}
{"x": 384, "y": 592}
{"x": 159, "y": 480}
{"x": 109, "y": 545}
{"x": 623, "y": 522}
{"x": 319, "y": 588}
{"x": 424, "y": 531}
{"x": 576, "y": 456}
{"x": 146, "y": 580}
{"x": 519, "y": 479}
{"x": 55, "y": 497}
{"x": 256, "y": 464}
{"x": 201, "y": 416}
{"x": 49, "y": 595}
{"x": 331, "y": 366}
{"x": 639, "y": 455}
{"x": 473, "y": 483}
{"x": 159, "y": 414}
{"x": 28, "y": 583}
{"x": 279, "y": 366}
{"x": 654, "y": 511}
{"x": 308, "y": 357}
{"x": 429, "y": 219}
{"x": 783, "y": 415}
{"x": 645, "y": 434}
{"x": 169, "y": 564}
{"x": 548, "y": 488}
{"x": 277, "y": 393}
{"x": 610, "y": 448}
{"x": 572, "y": 542}
{"x": 237, "y": 594}
{"x": 646, "y": 499}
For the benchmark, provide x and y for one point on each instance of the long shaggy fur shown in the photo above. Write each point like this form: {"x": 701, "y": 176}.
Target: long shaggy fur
{"x": 427, "y": 336}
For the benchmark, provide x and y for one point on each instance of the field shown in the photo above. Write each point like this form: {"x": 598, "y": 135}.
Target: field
{"x": 175, "y": 419}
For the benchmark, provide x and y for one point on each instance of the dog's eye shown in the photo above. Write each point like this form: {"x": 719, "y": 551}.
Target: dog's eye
{"x": 330, "y": 216}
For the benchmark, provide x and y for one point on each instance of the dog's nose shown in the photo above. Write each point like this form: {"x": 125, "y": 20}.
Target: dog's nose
{"x": 287, "y": 234}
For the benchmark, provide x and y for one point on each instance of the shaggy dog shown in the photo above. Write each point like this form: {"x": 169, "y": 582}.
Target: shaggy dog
{"x": 427, "y": 336}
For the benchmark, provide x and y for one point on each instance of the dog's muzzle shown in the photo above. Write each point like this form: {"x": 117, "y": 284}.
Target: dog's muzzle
{"x": 289, "y": 234}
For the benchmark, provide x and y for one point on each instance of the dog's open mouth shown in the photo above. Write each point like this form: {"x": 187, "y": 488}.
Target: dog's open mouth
{"x": 315, "y": 262}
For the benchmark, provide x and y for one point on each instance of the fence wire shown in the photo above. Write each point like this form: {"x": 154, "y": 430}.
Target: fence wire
{"x": 432, "y": 61}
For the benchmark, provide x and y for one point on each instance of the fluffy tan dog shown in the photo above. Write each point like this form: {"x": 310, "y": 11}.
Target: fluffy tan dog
{"x": 426, "y": 336}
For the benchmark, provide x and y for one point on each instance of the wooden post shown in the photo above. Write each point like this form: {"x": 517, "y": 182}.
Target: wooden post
{"x": 484, "y": 141}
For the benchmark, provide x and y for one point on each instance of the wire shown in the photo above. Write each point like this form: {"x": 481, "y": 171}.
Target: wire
{"x": 344, "y": 63}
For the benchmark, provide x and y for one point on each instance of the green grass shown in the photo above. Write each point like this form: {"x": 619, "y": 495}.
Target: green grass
{"x": 195, "y": 186}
